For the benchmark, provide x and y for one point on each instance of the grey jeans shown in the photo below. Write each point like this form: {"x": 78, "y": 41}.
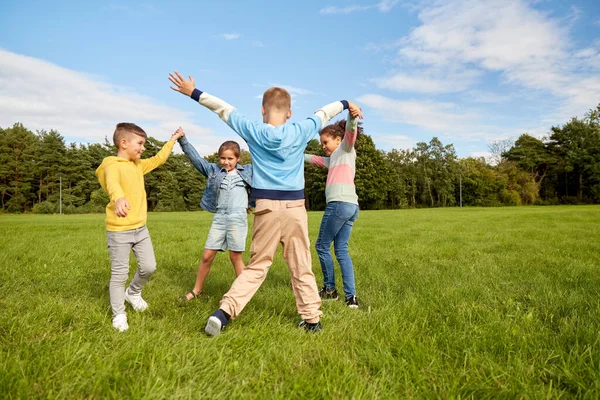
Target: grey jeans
{"x": 119, "y": 246}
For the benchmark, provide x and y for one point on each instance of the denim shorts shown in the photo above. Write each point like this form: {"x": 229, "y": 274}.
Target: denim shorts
{"x": 228, "y": 231}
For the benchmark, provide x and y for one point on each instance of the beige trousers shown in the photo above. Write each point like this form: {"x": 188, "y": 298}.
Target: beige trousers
{"x": 285, "y": 222}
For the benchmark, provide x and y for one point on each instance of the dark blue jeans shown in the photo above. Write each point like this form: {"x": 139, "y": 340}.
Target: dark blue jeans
{"x": 336, "y": 227}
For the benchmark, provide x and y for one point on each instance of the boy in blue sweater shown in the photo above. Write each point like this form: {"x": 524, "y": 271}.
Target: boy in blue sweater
{"x": 277, "y": 150}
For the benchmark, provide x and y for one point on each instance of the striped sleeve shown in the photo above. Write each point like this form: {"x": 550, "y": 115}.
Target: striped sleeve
{"x": 350, "y": 135}
{"x": 317, "y": 160}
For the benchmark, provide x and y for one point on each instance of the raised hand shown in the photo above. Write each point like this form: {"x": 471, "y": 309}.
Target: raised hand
{"x": 355, "y": 110}
{"x": 181, "y": 84}
{"x": 178, "y": 134}
{"x": 121, "y": 207}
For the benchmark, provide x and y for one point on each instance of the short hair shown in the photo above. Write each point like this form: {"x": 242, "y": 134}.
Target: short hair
{"x": 230, "y": 145}
{"x": 277, "y": 98}
{"x": 337, "y": 129}
{"x": 123, "y": 129}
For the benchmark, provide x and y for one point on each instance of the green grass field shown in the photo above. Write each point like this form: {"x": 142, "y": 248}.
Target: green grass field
{"x": 455, "y": 303}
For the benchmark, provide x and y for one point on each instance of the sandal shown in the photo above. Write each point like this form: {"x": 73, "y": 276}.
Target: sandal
{"x": 184, "y": 297}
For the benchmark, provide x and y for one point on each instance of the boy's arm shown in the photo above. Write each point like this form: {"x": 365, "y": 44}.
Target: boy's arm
{"x": 162, "y": 156}
{"x": 203, "y": 166}
{"x": 317, "y": 160}
{"x": 188, "y": 87}
{"x": 326, "y": 113}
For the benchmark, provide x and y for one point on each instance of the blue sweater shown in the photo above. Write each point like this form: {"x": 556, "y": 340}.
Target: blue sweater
{"x": 277, "y": 151}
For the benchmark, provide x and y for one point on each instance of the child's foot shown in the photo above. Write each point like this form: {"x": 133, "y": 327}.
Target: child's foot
{"x": 119, "y": 322}
{"x": 352, "y": 302}
{"x": 328, "y": 294}
{"x": 136, "y": 301}
{"x": 216, "y": 322}
{"x": 308, "y": 327}
{"x": 191, "y": 295}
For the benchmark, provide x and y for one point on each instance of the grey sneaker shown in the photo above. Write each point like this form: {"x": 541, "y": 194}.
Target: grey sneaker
{"x": 136, "y": 301}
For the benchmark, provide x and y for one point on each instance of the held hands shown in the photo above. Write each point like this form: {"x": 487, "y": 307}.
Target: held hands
{"x": 178, "y": 134}
{"x": 181, "y": 85}
{"x": 121, "y": 207}
{"x": 355, "y": 110}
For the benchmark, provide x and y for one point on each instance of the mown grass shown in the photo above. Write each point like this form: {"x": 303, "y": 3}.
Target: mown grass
{"x": 455, "y": 303}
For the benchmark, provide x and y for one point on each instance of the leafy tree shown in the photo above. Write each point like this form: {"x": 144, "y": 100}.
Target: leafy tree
{"x": 371, "y": 173}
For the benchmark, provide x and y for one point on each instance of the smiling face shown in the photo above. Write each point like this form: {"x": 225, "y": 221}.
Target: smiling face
{"x": 134, "y": 146}
{"x": 228, "y": 160}
{"x": 329, "y": 143}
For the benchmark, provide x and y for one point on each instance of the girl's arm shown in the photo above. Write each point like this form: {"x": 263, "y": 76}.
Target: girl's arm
{"x": 203, "y": 166}
{"x": 350, "y": 135}
{"x": 317, "y": 160}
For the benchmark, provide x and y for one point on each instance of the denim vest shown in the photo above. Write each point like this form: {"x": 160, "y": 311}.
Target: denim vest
{"x": 215, "y": 175}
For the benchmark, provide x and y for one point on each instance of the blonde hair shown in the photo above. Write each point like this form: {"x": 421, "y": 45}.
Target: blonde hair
{"x": 277, "y": 98}
{"x": 124, "y": 129}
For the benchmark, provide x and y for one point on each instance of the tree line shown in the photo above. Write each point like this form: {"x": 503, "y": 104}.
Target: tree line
{"x": 562, "y": 168}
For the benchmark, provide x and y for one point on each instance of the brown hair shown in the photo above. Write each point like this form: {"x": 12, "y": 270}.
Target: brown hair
{"x": 337, "y": 129}
{"x": 123, "y": 129}
{"x": 230, "y": 145}
{"x": 277, "y": 98}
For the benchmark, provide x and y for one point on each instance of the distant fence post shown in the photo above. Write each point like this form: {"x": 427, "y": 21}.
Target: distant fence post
{"x": 460, "y": 189}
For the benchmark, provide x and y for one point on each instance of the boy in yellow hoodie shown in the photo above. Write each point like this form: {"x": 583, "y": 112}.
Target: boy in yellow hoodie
{"x": 122, "y": 178}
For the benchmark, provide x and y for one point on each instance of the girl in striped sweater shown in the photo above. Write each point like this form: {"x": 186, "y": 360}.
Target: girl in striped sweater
{"x": 338, "y": 141}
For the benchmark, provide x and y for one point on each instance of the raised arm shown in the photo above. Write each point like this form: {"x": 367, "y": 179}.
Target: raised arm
{"x": 350, "y": 135}
{"x": 203, "y": 166}
{"x": 161, "y": 157}
{"x": 188, "y": 87}
{"x": 326, "y": 113}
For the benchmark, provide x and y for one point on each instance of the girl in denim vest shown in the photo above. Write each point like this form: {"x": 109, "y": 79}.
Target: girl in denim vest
{"x": 338, "y": 142}
{"x": 226, "y": 195}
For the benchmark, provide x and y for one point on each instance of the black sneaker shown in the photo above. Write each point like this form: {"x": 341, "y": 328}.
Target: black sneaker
{"x": 308, "y": 327}
{"x": 328, "y": 294}
{"x": 352, "y": 302}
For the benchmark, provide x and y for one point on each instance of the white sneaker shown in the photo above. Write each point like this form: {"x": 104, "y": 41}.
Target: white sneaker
{"x": 136, "y": 301}
{"x": 120, "y": 322}
{"x": 213, "y": 326}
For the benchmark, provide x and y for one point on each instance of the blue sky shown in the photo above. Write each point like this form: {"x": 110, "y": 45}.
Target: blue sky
{"x": 467, "y": 71}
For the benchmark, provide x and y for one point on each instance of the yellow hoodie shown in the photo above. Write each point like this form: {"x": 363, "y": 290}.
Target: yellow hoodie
{"x": 123, "y": 178}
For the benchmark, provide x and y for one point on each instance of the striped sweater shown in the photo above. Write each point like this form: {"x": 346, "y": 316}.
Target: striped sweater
{"x": 342, "y": 167}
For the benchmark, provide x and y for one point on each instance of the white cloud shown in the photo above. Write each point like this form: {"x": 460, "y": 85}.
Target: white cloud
{"x": 383, "y": 6}
{"x": 294, "y": 91}
{"x": 44, "y": 96}
{"x": 230, "y": 36}
{"x": 482, "y": 96}
{"x": 434, "y": 116}
{"x": 343, "y": 10}
{"x": 489, "y": 158}
{"x": 386, "y": 5}
{"x": 440, "y": 81}
{"x": 445, "y": 119}
{"x": 393, "y": 141}
{"x": 257, "y": 43}
{"x": 525, "y": 48}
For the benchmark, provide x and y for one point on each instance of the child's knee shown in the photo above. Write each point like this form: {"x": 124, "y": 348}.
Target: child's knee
{"x": 148, "y": 269}
{"x": 119, "y": 277}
